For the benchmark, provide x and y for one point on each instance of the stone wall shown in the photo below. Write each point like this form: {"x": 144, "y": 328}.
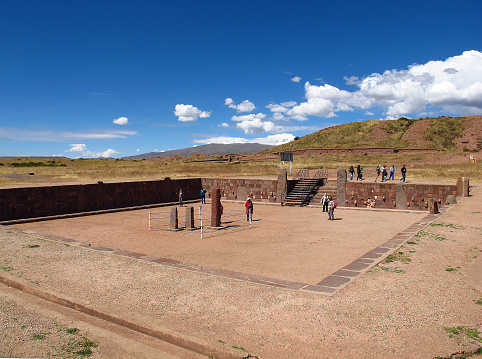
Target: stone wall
{"x": 31, "y": 202}
{"x": 418, "y": 196}
{"x": 239, "y": 189}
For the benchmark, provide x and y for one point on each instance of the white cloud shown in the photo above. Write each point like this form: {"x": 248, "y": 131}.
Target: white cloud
{"x": 272, "y": 140}
{"x": 224, "y": 124}
{"x": 189, "y": 113}
{"x": 256, "y": 126}
{"x": 121, "y": 121}
{"x": 296, "y": 79}
{"x": 453, "y": 85}
{"x": 77, "y": 147}
{"x": 82, "y": 149}
{"x": 245, "y": 106}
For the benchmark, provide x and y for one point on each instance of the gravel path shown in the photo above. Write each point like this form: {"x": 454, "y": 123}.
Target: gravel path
{"x": 397, "y": 309}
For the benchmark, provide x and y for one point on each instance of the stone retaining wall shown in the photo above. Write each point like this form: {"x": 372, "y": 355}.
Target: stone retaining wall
{"x": 414, "y": 196}
{"x": 32, "y": 202}
{"x": 233, "y": 188}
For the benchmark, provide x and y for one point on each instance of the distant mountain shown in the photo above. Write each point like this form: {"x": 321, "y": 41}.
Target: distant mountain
{"x": 211, "y": 149}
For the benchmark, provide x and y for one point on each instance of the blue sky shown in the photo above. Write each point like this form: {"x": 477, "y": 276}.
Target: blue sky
{"x": 120, "y": 78}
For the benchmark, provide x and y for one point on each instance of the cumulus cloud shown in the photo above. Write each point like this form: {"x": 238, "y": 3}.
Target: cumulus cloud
{"x": 224, "y": 124}
{"x": 81, "y": 148}
{"x": 189, "y": 113}
{"x": 272, "y": 140}
{"x": 121, "y": 121}
{"x": 296, "y": 79}
{"x": 453, "y": 85}
{"x": 245, "y": 106}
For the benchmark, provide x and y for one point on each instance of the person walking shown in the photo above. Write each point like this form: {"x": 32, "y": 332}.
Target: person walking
{"x": 392, "y": 173}
{"x": 384, "y": 173}
{"x": 378, "y": 173}
{"x": 203, "y": 196}
{"x": 331, "y": 209}
{"x": 404, "y": 173}
{"x": 351, "y": 170}
{"x": 249, "y": 209}
{"x": 324, "y": 202}
{"x": 181, "y": 195}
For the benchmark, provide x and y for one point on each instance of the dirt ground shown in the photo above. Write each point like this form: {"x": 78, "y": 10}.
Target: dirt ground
{"x": 423, "y": 304}
{"x": 289, "y": 243}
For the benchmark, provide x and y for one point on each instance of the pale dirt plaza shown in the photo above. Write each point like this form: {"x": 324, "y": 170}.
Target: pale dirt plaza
{"x": 398, "y": 309}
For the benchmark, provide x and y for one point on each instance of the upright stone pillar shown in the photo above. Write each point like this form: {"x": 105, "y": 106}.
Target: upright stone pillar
{"x": 282, "y": 185}
{"x": 216, "y": 208}
{"x": 341, "y": 187}
{"x": 400, "y": 196}
{"x": 463, "y": 187}
{"x": 241, "y": 193}
{"x": 189, "y": 217}
{"x": 173, "y": 222}
{"x": 433, "y": 206}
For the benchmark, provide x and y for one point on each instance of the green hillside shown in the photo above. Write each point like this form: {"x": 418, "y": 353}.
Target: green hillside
{"x": 439, "y": 133}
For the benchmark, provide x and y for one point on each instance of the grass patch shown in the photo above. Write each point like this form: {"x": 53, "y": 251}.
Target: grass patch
{"x": 437, "y": 237}
{"x": 478, "y": 301}
{"x": 461, "y": 332}
{"x": 40, "y": 336}
{"x": 31, "y": 246}
{"x": 445, "y": 225}
{"x": 78, "y": 347}
{"x": 450, "y": 269}
{"x": 398, "y": 257}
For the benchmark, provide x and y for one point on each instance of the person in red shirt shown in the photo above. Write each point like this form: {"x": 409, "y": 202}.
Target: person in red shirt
{"x": 249, "y": 208}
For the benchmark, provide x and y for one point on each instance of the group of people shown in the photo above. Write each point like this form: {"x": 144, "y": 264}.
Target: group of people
{"x": 381, "y": 171}
{"x": 329, "y": 206}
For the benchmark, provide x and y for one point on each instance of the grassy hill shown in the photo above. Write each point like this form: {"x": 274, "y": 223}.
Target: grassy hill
{"x": 457, "y": 133}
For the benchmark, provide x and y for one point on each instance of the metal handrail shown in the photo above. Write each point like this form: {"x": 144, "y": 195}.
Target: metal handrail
{"x": 301, "y": 174}
{"x": 321, "y": 174}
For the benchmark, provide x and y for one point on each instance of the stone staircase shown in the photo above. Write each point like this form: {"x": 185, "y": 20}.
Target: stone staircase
{"x": 303, "y": 192}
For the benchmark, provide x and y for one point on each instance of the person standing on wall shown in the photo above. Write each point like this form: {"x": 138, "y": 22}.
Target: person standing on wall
{"x": 404, "y": 173}
{"x": 351, "y": 170}
{"x": 181, "y": 195}
{"x": 359, "y": 174}
{"x": 324, "y": 202}
{"x": 384, "y": 173}
{"x": 249, "y": 209}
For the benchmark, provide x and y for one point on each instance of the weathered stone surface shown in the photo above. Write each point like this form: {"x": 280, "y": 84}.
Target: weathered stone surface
{"x": 433, "y": 206}
{"x": 282, "y": 185}
{"x": 189, "y": 217}
{"x": 341, "y": 187}
{"x": 216, "y": 208}
{"x": 400, "y": 196}
{"x": 451, "y": 199}
{"x": 463, "y": 187}
{"x": 173, "y": 219}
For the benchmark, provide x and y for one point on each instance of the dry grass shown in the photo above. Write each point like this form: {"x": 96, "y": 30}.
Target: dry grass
{"x": 426, "y": 166}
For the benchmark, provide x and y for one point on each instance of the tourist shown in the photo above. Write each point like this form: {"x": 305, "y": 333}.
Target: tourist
{"x": 351, "y": 170}
{"x": 392, "y": 173}
{"x": 404, "y": 173}
{"x": 324, "y": 202}
{"x": 203, "y": 195}
{"x": 181, "y": 195}
{"x": 378, "y": 173}
{"x": 359, "y": 174}
{"x": 331, "y": 209}
{"x": 384, "y": 173}
{"x": 249, "y": 209}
